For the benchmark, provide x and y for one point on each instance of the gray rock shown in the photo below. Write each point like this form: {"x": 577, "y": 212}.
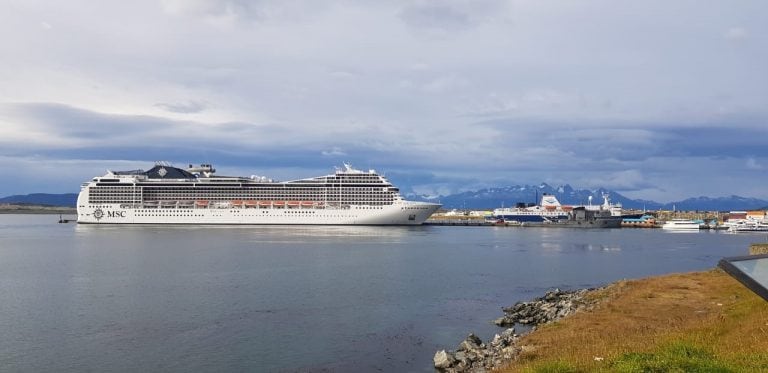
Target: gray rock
{"x": 443, "y": 359}
{"x": 472, "y": 342}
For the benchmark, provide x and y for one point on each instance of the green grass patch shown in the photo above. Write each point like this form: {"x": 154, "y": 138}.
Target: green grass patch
{"x": 553, "y": 367}
{"x": 672, "y": 357}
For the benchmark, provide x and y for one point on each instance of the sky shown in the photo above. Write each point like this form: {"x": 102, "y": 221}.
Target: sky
{"x": 659, "y": 100}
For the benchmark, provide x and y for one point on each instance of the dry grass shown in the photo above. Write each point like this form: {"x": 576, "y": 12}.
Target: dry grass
{"x": 708, "y": 312}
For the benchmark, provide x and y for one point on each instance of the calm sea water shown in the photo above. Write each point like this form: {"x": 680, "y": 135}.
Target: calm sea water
{"x": 269, "y": 298}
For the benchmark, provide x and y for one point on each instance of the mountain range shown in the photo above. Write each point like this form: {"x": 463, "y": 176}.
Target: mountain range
{"x": 503, "y": 196}
{"x": 65, "y": 200}
{"x": 508, "y": 196}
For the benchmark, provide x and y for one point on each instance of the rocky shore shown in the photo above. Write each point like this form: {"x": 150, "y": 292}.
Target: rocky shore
{"x": 472, "y": 355}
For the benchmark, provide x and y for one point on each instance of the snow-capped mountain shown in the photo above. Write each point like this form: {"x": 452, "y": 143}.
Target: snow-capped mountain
{"x": 510, "y": 195}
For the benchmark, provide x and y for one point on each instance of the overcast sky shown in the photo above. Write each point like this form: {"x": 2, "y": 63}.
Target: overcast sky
{"x": 660, "y": 100}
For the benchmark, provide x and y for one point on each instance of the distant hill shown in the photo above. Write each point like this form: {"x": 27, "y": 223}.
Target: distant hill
{"x": 65, "y": 200}
{"x": 508, "y": 196}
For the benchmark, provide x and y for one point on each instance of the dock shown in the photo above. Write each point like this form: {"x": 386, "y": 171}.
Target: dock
{"x": 459, "y": 222}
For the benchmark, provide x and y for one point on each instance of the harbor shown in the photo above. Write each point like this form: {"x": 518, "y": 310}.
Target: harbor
{"x": 737, "y": 221}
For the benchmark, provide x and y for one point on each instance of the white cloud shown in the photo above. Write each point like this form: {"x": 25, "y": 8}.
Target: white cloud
{"x": 736, "y": 33}
{"x": 333, "y": 152}
{"x": 753, "y": 164}
{"x": 183, "y": 107}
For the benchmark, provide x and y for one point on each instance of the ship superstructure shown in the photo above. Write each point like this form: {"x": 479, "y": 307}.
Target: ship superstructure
{"x": 171, "y": 195}
{"x": 549, "y": 210}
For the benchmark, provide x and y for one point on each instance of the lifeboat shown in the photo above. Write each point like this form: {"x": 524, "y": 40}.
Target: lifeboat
{"x": 307, "y": 203}
{"x": 221, "y": 204}
{"x": 150, "y": 204}
{"x": 201, "y": 203}
{"x": 250, "y": 203}
{"x": 567, "y": 208}
{"x": 237, "y": 202}
{"x": 293, "y": 203}
{"x": 168, "y": 204}
{"x": 550, "y": 208}
{"x": 265, "y": 203}
{"x": 278, "y": 203}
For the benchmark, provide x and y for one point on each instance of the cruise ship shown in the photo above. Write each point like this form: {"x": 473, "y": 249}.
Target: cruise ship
{"x": 171, "y": 195}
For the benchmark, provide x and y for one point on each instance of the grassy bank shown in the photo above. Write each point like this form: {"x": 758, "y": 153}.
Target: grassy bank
{"x": 702, "y": 322}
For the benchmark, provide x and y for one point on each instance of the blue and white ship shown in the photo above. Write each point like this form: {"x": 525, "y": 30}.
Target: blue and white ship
{"x": 549, "y": 210}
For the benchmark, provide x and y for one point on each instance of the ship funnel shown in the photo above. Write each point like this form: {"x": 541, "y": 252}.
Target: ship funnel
{"x": 548, "y": 200}
{"x": 204, "y": 169}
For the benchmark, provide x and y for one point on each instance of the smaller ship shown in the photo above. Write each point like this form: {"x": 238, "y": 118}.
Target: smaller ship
{"x": 682, "y": 225}
{"x": 749, "y": 226}
{"x": 550, "y": 213}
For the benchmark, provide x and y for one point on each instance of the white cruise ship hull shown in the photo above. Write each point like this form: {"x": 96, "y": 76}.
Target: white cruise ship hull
{"x": 171, "y": 195}
{"x": 406, "y": 213}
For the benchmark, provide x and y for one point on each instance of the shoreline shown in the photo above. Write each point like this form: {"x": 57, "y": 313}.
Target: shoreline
{"x": 36, "y": 209}
{"x": 606, "y": 328}
{"x": 473, "y": 355}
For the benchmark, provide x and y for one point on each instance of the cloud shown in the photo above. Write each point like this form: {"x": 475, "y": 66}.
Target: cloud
{"x": 439, "y": 17}
{"x": 736, "y": 33}
{"x": 444, "y": 84}
{"x": 753, "y": 164}
{"x": 213, "y": 8}
{"x": 188, "y": 107}
{"x": 334, "y": 152}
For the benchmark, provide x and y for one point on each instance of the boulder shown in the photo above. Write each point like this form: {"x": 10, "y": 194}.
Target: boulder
{"x": 471, "y": 343}
{"x": 443, "y": 359}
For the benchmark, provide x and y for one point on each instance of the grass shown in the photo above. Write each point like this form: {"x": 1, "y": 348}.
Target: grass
{"x": 693, "y": 322}
{"x": 673, "y": 357}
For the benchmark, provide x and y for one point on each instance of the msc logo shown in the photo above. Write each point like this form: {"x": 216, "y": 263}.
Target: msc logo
{"x": 99, "y": 213}
{"x": 116, "y": 214}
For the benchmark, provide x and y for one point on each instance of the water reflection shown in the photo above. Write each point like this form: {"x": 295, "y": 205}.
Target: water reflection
{"x": 593, "y": 247}
{"x": 263, "y": 233}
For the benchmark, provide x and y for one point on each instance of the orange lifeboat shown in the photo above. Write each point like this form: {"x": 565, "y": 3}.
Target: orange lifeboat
{"x": 201, "y": 202}
{"x": 567, "y": 208}
{"x": 307, "y": 203}
{"x": 550, "y": 208}
{"x": 293, "y": 203}
{"x": 237, "y": 202}
{"x": 250, "y": 203}
{"x": 279, "y": 203}
{"x": 265, "y": 203}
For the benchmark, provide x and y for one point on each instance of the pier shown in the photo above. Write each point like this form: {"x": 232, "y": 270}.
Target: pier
{"x": 458, "y": 222}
